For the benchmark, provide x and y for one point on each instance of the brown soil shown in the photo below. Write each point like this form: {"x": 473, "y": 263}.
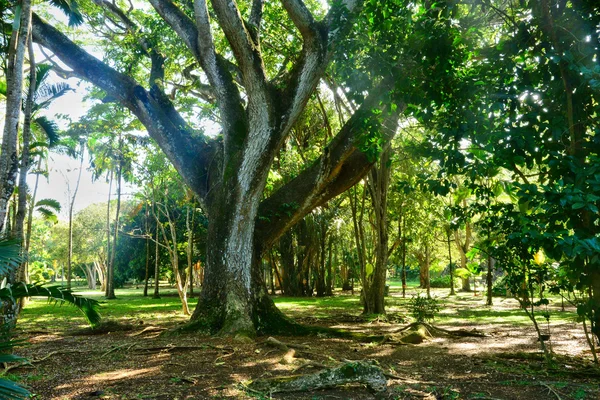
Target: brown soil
{"x": 141, "y": 364}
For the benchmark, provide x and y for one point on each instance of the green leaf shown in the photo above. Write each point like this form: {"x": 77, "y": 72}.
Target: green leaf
{"x": 89, "y": 307}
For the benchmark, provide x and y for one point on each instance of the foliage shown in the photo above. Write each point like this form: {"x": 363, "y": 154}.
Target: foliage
{"x": 422, "y": 308}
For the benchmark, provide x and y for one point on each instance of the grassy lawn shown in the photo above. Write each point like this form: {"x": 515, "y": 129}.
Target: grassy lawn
{"x": 130, "y": 306}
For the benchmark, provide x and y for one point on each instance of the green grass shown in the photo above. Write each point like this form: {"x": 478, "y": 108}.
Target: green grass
{"x": 131, "y": 306}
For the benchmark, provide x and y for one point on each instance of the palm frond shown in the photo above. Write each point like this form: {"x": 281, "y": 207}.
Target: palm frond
{"x": 71, "y": 10}
{"x": 89, "y": 307}
{"x": 41, "y": 73}
{"x": 6, "y": 358}
{"x": 46, "y": 94}
{"x": 10, "y": 390}
{"x": 38, "y": 143}
{"x": 10, "y": 255}
{"x": 50, "y": 129}
{"x": 48, "y": 214}
{"x": 51, "y": 203}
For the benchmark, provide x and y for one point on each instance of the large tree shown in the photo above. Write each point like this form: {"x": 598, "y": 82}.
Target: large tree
{"x": 257, "y": 107}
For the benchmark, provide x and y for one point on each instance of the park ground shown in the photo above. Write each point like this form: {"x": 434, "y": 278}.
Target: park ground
{"x": 136, "y": 360}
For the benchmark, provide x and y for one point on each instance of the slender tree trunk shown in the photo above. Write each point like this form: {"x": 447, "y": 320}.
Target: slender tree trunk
{"x": 272, "y": 268}
{"x": 110, "y": 289}
{"x": 156, "y": 294}
{"x": 173, "y": 249}
{"x": 489, "y": 281}
{"x": 428, "y": 269}
{"x": 71, "y": 205}
{"x": 9, "y": 160}
{"x": 22, "y": 202}
{"x": 330, "y": 269}
{"x": 452, "y": 292}
{"x": 147, "y": 274}
{"x": 108, "y": 238}
{"x": 378, "y": 184}
{"x": 403, "y": 256}
{"x": 321, "y": 266}
{"x": 190, "y": 247}
{"x": 30, "y": 219}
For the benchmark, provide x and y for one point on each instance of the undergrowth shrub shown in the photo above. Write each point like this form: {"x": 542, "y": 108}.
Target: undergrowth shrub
{"x": 422, "y": 308}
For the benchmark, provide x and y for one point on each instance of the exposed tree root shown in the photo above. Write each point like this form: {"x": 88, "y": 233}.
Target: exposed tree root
{"x": 103, "y": 328}
{"x": 551, "y": 390}
{"x": 436, "y": 330}
{"x": 172, "y": 349}
{"x": 149, "y": 329}
{"x": 271, "y": 321}
{"x": 29, "y": 363}
{"x": 115, "y": 348}
{"x": 353, "y": 372}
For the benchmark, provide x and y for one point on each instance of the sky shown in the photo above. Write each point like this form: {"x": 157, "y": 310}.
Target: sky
{"x": 64, "y": 169}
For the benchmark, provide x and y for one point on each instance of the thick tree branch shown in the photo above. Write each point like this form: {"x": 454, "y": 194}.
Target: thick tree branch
{"x": 320, "y": 38}
{"x": 255, "y": 18}
{"x": 245, "y": 50}
{"x": 180, "y": 22}
{"x": 157, "y": 114}
{"x": 301, "y": 17}
{"x": 341, "y": 166}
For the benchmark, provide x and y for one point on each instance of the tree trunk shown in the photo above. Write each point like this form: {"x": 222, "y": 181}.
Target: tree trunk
{"x": 289, "y": 275}
{"x": 173, "y": 249}
{"x": 26, "y": 138}
{"x": 322, "y": 226}
{"x": 190, "y": 247}
{"x": 403, "y": 256}
{"x": 110, "y": 286}
{"x": 147, "y": 274}
{"x": 330, "y": 269}
{"x": 465, "y": 281}
{"x": 108, "y": 238}
{"x": 378, "y": 184}
{"x": 225, "y": 300}
{"x": 22, "y": 202}
{"x": 156, "y": 294}
{"x": 71, "y": 205}
{"x": 489, "y": 280}
{"x": 9, "y": 161}
{"x": 452, "y": 292}
{"x": 30, "y": 221}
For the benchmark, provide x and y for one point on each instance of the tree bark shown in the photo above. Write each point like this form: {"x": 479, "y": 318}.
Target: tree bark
{"x": 108, "y": 238}
{"x": 71, "y": 205}
{"x": 9, "y": 161}
{"x": 147, "y": 274}
{"x": 378, "y": 183}
{"x": 110, "y": 287}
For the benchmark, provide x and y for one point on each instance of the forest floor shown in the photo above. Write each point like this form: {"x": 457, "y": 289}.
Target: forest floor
{"x": 140, "y": 363}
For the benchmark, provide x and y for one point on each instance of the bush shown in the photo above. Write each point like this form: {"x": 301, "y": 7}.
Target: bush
{"x": 442, "y": 282}
{"x": 423, "y": 309}
{"x": 499, "y": 287}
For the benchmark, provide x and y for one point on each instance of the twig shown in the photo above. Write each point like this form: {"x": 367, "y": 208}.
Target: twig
{"x": 115, "y": 349}
{"x": 149, "y": 329}
{"x": 551, "y": 390}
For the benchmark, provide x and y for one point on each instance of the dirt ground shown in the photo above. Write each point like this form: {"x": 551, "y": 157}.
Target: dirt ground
{"x": 143, "y": 364}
